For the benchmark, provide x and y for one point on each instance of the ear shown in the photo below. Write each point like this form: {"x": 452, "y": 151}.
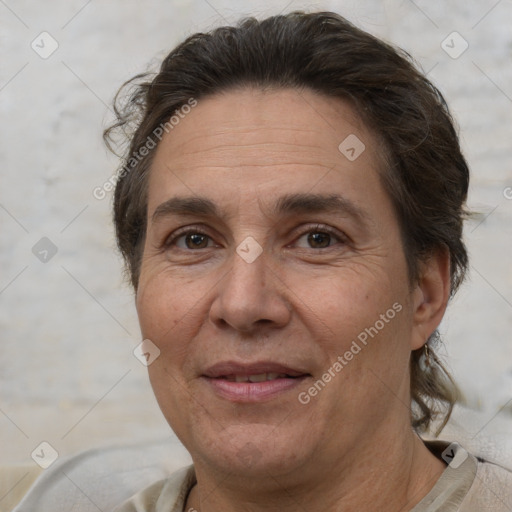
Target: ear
{"x": 430, "y": 296}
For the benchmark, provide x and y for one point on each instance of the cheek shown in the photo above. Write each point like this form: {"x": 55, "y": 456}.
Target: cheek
{"x": 161, "y": 311}
{"x": 362, "y": 316}
{"x": 165, "y": 301}
{"x": 348, "y": 300}
{"x": 161, "y": 316}
{"x": 172, "y": 310}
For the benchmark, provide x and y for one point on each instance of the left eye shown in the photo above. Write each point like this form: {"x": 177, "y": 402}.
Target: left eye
{"x": 317, "y": 240}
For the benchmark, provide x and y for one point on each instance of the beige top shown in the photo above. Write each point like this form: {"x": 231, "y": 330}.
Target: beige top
{"x": 467, "y": 485}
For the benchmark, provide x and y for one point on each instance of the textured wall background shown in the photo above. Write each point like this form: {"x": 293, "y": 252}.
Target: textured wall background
{"x": 68, "y": 324}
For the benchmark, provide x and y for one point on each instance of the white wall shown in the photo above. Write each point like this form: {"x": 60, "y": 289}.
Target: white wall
{"x": 68, "y": 326}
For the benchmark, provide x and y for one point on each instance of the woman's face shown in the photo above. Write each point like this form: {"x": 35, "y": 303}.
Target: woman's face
{"x": 274, "y": 284}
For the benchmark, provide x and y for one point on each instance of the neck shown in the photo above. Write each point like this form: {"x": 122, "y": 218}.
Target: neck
{"x": 394, "y": 476}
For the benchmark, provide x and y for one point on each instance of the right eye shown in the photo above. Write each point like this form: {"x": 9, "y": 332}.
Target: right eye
{"x": 190, "y": 239}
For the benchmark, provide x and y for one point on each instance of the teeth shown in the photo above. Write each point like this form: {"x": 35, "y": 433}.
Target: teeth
{"x": 261, "y": 377}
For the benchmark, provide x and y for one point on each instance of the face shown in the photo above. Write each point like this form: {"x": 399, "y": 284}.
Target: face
{"x": 274, "y": 284}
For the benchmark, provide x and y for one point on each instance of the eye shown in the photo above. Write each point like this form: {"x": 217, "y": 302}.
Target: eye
{"x": 318, "y": 238}
{"x": 189, "y": 240}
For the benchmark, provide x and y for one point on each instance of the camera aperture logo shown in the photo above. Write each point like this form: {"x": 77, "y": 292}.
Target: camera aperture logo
{"x": 146, "y": 352}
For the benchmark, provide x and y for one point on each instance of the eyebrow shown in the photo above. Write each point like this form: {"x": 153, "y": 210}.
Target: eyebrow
{"x": 288, "y": 204}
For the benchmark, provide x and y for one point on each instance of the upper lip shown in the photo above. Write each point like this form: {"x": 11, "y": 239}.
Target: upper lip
{"x": 226, "y": 368}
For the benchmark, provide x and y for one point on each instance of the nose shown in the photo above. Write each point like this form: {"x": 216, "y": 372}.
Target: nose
{"x": 250, "y": 296}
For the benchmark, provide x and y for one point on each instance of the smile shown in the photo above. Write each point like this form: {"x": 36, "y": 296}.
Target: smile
{"x": 250, "y": 383}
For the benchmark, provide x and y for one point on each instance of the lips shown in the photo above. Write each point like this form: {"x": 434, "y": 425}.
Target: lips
{"x": 253, "y": 382}
{"x": 229, "y": 368}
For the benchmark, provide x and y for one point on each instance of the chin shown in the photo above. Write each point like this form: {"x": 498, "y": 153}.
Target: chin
{"x": 253, "y": 451}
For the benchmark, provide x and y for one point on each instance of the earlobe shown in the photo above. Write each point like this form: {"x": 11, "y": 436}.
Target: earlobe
{"x": 430, "y": 296}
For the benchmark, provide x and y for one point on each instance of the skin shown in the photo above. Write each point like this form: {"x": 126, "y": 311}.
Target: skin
{"x": 300, "y": 302}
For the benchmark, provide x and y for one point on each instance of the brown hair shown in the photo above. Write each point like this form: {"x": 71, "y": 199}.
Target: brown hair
{"x": 425, "y": 173}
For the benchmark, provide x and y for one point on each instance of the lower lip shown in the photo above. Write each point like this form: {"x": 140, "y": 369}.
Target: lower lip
{"x": 252, "y": 391}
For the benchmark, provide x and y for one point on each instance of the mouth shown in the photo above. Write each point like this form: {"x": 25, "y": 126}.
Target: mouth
{"x": 261, "y": 381}
{"x": 260, "y": 377}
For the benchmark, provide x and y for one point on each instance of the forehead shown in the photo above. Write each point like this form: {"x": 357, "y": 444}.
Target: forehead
{"x": 256, "y": 140}
{"x": 250, "y": 116}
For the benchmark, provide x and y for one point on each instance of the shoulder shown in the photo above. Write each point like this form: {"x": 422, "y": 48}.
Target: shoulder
{"x": 468, "y": 484}
{"x": 491, "y": 489}
{"x": 15, "y": 481}
{"x": 167, "y": 495}
{"x": 103, "y": 477}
